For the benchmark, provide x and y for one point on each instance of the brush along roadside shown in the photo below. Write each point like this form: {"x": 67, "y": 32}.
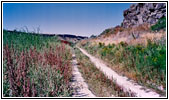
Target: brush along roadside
{"x": 124, "y": 82}
{"x": 145, "y": 65}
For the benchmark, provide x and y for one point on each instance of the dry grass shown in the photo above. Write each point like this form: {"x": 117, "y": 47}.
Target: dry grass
{"x": 143, "y": 38}
{"x": 141, "y": 32}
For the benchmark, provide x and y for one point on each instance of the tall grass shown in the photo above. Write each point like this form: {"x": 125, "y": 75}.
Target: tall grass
{"x": 35, "y": 66}
{"x": 25, "y": 41}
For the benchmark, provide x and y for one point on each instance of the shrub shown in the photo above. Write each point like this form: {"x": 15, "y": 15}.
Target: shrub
{"x": 123, "y": 44}
{"x": 161, "y": 24}
{"x": 101, "y": 45}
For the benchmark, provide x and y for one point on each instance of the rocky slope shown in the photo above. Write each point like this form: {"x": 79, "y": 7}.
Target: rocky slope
{"x": 143, "y": 13}
{"x": 136, "y": 26}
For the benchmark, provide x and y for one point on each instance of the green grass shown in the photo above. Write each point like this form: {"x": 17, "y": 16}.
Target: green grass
{"x": 35, "y": 66}
{"x": 25, "y": 41}
{"x": 144, "y": 64}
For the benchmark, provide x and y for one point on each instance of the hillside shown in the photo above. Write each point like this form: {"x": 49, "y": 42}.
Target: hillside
{"x": 136, "y": 29}
{"x": 65, "y": 37}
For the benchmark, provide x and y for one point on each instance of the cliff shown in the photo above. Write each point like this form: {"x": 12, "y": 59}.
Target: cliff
{"x": 143, "y": 13}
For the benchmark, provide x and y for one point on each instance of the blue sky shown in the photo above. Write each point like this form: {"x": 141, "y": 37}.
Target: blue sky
{"x": 64, "y": 18}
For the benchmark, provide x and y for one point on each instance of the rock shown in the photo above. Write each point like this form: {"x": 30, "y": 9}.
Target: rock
{"x": 163, "y": 10}
{"x": 150, "y": 6}
{"x": 160, "y": 5}
{"x": 140, "y": 20}
{"x": 159, "y": 15}
{"x": 151, "y": 20}
{"x": 152, "y": 14}
{"x": 143, "y": 13}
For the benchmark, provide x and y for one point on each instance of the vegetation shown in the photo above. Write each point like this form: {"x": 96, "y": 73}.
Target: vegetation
{"x": 161, "y": 24}
{"x": 25, "y": 41}
{"x": 98, "y": 83}
{"x": 40, "y": 66}
{"x": 35, "y": 66}
{"x": 144, "y": 64}
{"x": 109, "y": 31}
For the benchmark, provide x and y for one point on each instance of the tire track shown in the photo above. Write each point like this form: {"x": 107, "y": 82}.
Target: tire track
{"x": 124, "y": 82}
{"x": 78, "y": 84}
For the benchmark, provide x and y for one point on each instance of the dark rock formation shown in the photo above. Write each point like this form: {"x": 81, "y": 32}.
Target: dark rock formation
{"x": 143, "y": 13}
{"x": 71, "y": 38}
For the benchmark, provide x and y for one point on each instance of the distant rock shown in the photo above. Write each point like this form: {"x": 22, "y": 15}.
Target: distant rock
{"x": 93, "y": 36}
{"x": 143, "y": 13}
{"x": 71, "y": 38}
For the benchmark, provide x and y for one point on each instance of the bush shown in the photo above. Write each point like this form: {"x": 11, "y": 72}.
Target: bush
{"x": 161, "y": 24}
{"x": 101, "y": 45}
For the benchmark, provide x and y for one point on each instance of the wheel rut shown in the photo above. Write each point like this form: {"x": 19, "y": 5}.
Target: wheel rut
{"x": 78, "y": 83}
{"x": 124, "y": 82}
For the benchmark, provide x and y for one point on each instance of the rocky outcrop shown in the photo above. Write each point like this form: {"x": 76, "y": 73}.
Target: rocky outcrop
{"x": 143, "y": 13}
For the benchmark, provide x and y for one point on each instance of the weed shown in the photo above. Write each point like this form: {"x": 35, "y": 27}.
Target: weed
{"x": 35, "y": 66}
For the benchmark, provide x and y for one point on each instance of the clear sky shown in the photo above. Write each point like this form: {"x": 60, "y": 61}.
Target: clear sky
{"x": 64, "y": 18}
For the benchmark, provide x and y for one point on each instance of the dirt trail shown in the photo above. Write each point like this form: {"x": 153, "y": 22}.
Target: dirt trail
{"x": 79, "y": 85}
{"x": 124, "y": 82}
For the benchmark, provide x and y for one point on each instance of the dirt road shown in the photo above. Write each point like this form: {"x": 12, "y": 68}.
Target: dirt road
{"x": 124, "y": 82}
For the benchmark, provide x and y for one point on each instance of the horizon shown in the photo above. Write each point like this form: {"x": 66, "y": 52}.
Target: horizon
{"x": 81, "y": 19}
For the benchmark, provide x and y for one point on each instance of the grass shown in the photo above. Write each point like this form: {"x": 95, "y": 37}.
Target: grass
{"x": 144, "y": 64}
{"x": 98, "y": 83}
{"x": 35, "y": 66}
{"x": 25, "y": 41}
